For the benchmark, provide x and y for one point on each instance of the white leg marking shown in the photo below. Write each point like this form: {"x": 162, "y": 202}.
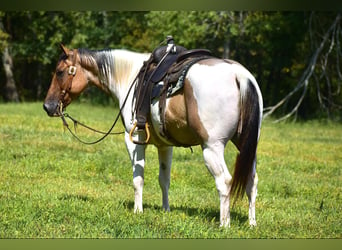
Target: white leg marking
{"x": 137, "y": 156}
{"x": 214, "y": 160}
{"x": 165, "y": 160}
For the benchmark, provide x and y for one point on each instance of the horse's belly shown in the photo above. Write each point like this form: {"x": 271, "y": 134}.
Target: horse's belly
{"x": 177, "y": 122}
{"x": 177, "y": 129}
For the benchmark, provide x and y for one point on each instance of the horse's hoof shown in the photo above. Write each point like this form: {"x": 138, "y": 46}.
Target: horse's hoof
{"x": 252, "y": 223}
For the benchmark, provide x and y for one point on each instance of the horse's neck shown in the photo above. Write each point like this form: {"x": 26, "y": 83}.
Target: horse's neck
{"x": 114, "y": 70}
{"x": 126, "y": 67}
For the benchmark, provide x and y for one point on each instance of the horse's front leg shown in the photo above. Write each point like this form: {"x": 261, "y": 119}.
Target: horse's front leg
{"x": 165, "y": 160}
{"x": 137, "y": 156}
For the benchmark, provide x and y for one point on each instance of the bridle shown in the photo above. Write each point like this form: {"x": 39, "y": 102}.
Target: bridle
{"x": 65, "y": 89}
{"x": 72, "y": 72}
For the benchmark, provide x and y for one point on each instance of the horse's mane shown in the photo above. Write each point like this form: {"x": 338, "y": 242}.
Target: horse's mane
{"x": 113, "y": 64}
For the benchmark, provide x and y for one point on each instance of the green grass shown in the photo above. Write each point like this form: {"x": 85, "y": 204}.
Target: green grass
{"x": 51, "y": 186}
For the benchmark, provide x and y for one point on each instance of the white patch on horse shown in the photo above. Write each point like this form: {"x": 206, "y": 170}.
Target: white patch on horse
{"x": 215, "y": 90}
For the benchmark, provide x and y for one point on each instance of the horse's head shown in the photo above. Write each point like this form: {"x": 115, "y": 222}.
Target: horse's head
{"x": 68, "y": 81}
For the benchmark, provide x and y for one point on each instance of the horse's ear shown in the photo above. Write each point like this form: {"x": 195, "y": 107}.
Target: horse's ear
{"x": 64, "y": 49}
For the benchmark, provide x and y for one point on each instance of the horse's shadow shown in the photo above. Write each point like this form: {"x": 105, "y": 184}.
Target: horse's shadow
{"x": 209, "y": 214}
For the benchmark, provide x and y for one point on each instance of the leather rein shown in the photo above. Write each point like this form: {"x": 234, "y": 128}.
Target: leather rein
{"x": 72, "y": 72}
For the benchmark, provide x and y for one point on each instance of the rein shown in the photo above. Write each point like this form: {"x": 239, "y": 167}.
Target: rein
{"x": 76, "y": 122}
{"x": 105, "y": 134}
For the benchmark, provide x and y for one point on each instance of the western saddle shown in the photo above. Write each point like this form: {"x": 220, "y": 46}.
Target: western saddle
{"x": 161, "y": 76}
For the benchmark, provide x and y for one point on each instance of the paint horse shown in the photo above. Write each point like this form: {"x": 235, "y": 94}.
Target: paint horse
{"x": 220, "y": 101}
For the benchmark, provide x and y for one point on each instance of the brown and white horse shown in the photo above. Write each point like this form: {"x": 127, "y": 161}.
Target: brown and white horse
{"x": 220, "y": 101}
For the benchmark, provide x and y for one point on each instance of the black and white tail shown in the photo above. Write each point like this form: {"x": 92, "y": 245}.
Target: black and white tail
{"x": 249, "y": 130}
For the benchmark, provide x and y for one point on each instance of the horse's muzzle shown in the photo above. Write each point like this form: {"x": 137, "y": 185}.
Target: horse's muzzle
{"x": 51, "y": 108}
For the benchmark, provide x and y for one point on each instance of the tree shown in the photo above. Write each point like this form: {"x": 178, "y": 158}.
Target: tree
{"x": 295, "y": 56}
{"x": 325, "y": 36}
{"x": 265, "y": 42}
{"x": 10, "y": 89}
{"x": 191, "y": 29}
{"x": 34, "y": 47}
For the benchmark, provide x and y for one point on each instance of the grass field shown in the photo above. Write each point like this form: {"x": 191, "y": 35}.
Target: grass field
{"x": 51, "y": 186}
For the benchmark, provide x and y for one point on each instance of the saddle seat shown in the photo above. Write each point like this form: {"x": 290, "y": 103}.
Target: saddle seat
{"x": 163, "y": 65}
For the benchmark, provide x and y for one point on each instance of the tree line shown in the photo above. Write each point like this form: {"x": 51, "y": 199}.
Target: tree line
{"x": 295, "y": 56}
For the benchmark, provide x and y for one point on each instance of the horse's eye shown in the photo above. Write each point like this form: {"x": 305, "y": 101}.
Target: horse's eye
{"x": 59, "y": 73}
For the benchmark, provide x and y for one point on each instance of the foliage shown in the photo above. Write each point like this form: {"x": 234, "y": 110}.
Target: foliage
{"x": 275, "y": 46}
{"x": 54, "y": 187}
{"x": 3, "y": 34}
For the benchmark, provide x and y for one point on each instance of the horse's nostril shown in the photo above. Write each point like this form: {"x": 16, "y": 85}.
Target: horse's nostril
{"x": 45, "y": 106}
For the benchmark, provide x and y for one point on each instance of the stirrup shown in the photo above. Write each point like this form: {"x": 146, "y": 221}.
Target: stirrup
{"x": 147, "y": 131}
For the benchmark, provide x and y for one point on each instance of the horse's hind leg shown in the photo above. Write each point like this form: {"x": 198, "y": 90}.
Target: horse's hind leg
{"x": 165, "y": 159}
{"x": 251, "y": 191}
{"x": 214, "y": 160}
